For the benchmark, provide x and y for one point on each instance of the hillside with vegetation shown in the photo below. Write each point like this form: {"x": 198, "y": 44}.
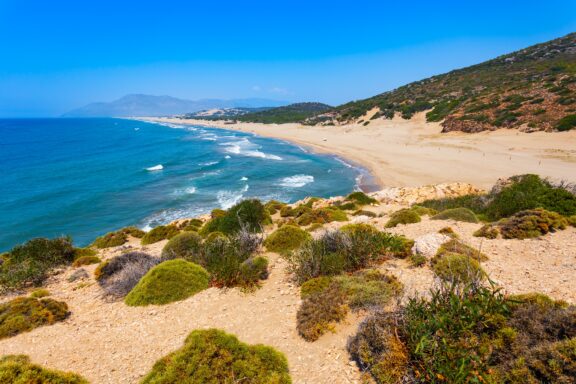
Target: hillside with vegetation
{"x": 223, "y": 113}
{"x": 287, "y": 114}
{"x": 533, "y": 89}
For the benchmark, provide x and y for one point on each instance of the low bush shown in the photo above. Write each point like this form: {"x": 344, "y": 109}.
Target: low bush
{"x": 418, "y": 260}
{"x": 120, "y": 274}
{"x": 403, "y": 216}
{"x": 84, "y": 252}
{"x": 86, "y": 260}
{"x": 213, "y": 356}
{"x": 186, "y": 245}
{"x": 457, "y": 214}
{"x": 162, "y": 232}
{"x": 487, "y": 231}
{"x": 378, "y": 350}
{"x": 351, "y": 248}
{"x": 319, "y": 312}
{"x": 26, "y": 313}
{"x": 531, "y": 223}
{"x": 274, "y": 206}
{"x": 368, "y": 289}
{"x": 456, "y": 246}
{"x": 458, "y": 268}
{"x": 345, "y": 206}
{"x": 321, "y": 216}
{"x": 423, "y": 211}
{"x": 476, "y": 203}
{"x": 314, "y": 286}
{"x": 571, "y": 220}
{"x": 448, "y": 231}
{"x": 317, "y": 226}
{"x": 31, "y": 262}
{"x": 39, "y": 293}
{"x": 469, "y": 333}
{"x": 566, "y": 123}
{"x": 286, "y": 238}
{"x": 364, "y": 213}
{"x": 361, "y": 198}
{"x": 111, "y": 239}
{"x": 17, "y": 369}
{"x": 134, "y": 232}
{"x": 169, "y": 281}
{"x": 249, "y": 215}
{"x": 253, "y": 270}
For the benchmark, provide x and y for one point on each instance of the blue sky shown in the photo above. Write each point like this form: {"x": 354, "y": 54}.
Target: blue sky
{"x": 57, "y": 55}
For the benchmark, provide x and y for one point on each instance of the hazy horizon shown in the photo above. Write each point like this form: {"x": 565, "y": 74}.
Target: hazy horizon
{"x": 65, "y": 56}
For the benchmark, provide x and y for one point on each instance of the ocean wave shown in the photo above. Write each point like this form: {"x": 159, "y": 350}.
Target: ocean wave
{"x": 208, "y": 163}
{"x": 158, "y": 167}
{"x": 227, "y": 199}
{"x": 296, "y": 181}
{"x": 245, "y": 147}
{"x": 185, "y": 191}
{"x": 169, "y": 215}
{"x": 244, "y": 178}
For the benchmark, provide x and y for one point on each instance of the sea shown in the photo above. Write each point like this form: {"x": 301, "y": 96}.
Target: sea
{"x": 86, "y": 177}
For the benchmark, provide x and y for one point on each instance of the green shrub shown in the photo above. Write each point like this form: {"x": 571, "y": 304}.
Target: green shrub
{"x": 134, "y": 232}
{"x": 286, "y": 239}
{"x": 250, "y": 215}
{"x": 86, "y": 260}
{"x": 186, "y": 245}
{"x": 216, "y": 213}
{"x": 476, "y": 203}
{"x": 161, "y": 232}
{"x": 351, "y": 248}
{"x": 345, "y": 206}
{"x": 253, "y": 270}
{"x": 111, "y": 239}
{"x": 418, "y": 260}
{"x": 571, "y": 220}
{"x": 364, "y": 213}
{"x": 488, "y": 231}
{"x": 314, "y": 286}
{"x": 531, "y": 223}
{"x": 213, "y": 356}
{"x": 169, "y": 281}
{"x": 39, "y": 293}
{"x": 322, "y": 216}
{"x": 368, "y": 288}
{"x": 30, "y": 263}
{"x": 566, "y": 123}
{"x": 84, "y": 252}
{"x": 361, "y": 198}
{"x": 317, "y": 226}
{"x": 457, "y": 214}
{"x": 26, "y": 313}
{"x": 458, "y": 268}
{"x": 423, "y": 211}
{"x": 17, "y": 369}
{"x": 378, "y": 350}
{"x": 448, "y": 231}
{"x": 456, "y": 246}
{"x": 403, "y": 216}
{"x": 319, "y": 312}
{"x": 274, "y": 206}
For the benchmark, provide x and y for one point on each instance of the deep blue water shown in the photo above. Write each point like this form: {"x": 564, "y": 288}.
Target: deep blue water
{"x": 85, "y": 177}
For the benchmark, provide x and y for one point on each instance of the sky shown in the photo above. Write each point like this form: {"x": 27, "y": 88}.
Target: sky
{"x": 59, "y": 55}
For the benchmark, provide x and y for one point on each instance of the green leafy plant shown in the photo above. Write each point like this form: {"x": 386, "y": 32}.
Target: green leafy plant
{"x": 457, "y": 214}
{"x": 361, "y": 198}
{"x": 249, "y": 215}
{"x": 169, "y": 281}
{"x": 161, "y": 232}
{"x": 86, "y": 260}
{"x": 186, "y": 245}
{"x": 286, "y": 238}
{"x": 39, "y": 293}
{"x": 213, "y": 356}
{"x": 111, "y": 239}
{"x": 319, "y": 312}
{"x": 403, "y": 216}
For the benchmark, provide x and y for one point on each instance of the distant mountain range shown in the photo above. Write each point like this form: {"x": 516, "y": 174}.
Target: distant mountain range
{"x": 148, "y": 105}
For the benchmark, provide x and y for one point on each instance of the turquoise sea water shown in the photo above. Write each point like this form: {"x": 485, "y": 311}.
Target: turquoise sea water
{"x": 85, "y": 177}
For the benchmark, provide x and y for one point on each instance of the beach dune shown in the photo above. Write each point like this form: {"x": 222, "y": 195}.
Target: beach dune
{"x": 413, "y": 152}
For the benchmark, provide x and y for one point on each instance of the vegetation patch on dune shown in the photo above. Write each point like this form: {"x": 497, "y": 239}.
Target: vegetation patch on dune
{"x": 186, "y": 245}
{"x": 120, "y": 274}
{"x": 250, "y": 215}
{"x": 31, "y": 262}
{"x": 17, "y": 369}
{"x": 111, "y": 239}
{"x": 162, "y": 232}
{"x": 86, "y": 260}
{"x": 469, "y": 333}
{"x": 361, "y": 198}
{"x": 213, "y": 356}
{"x": 524, "y": 225}
{"x": 286, "y": 238}
{"x": 403, "y": 216}
{"x": 26, "y": 313}
{"x": 457, "y": 214}
{"x": 169, "y": 281}
{"x": 352, "y": 248}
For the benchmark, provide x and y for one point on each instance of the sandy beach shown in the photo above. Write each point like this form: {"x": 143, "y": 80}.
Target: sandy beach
{"x": 413, "y": 152}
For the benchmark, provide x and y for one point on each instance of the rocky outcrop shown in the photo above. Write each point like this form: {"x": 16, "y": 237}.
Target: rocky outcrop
{"x": 427, "y": 245}
{"x": 409, "y": 195}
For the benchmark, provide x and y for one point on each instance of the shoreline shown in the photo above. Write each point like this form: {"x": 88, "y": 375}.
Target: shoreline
{"x": 411, "y": 153}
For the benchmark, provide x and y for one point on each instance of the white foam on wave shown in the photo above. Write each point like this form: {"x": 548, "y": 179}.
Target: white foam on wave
{"x": 245, "y": 147}
{"x": 158, "y": 167}
{"x": 208, "y": 163}
{"x": 169, "y": 215}
{"x": 296, "y": 181}
{"x": 185, "y": 191}
{"x": 244, "y": 178}
{"x": 227, "y": 199}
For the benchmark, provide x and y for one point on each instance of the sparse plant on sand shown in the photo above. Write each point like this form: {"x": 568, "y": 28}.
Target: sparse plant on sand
{"x": 26, "y": 313}
{"x": 213, "y": 356}
{"x": 120, "y": 274}
{"x": 17, "y": 369}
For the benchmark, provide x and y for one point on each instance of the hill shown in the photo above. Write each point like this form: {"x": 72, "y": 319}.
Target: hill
{"x": 286, "y": 114}
{"x": 148, "y": 105}
{"x": 223, "y": 113}
{"x": 533, "y": 89}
